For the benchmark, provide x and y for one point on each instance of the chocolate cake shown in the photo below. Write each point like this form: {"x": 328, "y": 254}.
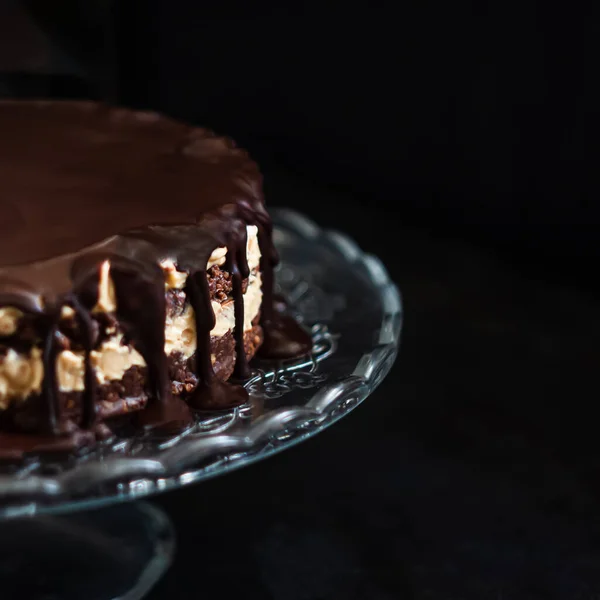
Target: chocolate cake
{"x": 136, "y": 274}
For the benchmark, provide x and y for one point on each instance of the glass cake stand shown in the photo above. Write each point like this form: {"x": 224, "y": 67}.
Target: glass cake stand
{"x": 65, "y": 525}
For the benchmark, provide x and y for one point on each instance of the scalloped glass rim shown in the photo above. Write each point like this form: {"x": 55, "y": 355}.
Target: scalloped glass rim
{"x": 352, "y": 368}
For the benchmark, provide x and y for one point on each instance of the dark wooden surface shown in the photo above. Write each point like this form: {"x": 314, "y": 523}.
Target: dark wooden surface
{"x": 471, "y": 473}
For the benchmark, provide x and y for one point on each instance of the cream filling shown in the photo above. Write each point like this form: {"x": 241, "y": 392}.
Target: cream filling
{"x": 20, "y": 375}
{"x": 110, "y": 363}
{"x": 180, "y": 332}
{"x": 175, "y": 280}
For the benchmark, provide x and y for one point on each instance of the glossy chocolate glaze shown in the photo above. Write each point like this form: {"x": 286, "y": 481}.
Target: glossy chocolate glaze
{"x": 81, "y": 183}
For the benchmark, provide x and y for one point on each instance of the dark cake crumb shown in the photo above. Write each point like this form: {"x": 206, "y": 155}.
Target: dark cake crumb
{"x": 219, "y": 284}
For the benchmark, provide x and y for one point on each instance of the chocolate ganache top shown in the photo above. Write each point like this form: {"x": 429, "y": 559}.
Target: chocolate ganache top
{"x": 82, "y": 183}
{"x": 73, "y": 174}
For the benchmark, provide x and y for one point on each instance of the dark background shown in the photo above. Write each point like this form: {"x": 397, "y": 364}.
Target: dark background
{"x": 457, "y": 142}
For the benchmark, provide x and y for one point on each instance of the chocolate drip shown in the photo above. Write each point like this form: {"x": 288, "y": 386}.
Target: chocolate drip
{"x": 49, "y": 383}
{"x": 211, "y": 393}
{"x": 25, "y": 299}
{"x": 283, "y": 337}
{"x": 88, "y": 404}
{"x": 199, "y": 295}
{"x": 237, "y": 265}
{"x": 22, "y": 296}
{"x": 141, "y": 312}
{"x": 140, "y": 309}
{"x": 268, "y": 261}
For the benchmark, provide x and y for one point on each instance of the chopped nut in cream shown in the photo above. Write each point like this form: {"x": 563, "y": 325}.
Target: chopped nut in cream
{"x": 175, "y": 280}
{"x": 20, "y": 375}
{"x": 110, "y": 362}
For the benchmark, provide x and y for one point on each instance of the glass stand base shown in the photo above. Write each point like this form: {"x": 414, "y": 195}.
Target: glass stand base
{"x": 115, "y": 553}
